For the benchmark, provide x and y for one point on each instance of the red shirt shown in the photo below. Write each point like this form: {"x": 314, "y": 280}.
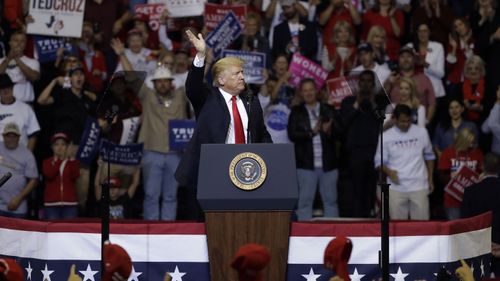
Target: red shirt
{"x": 336, "y": 16}
{"x": 451, "y": 161}
{"x": 60, "y": 187}
{"x": 99, "y": 63}
{"x": 371, "y": 18}
{"x": 455, "y": 70}
{"x": 347, "y": 65}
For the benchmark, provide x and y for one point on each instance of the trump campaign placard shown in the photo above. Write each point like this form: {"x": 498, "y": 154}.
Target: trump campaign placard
{"x": 302, "y": 67}
{"x": 89, "y": 143}
{"x": 338, "y": 88}
{"x": 47, "y": 46}
{"x": 255, "y": 63}
{"x": 127, "y": 154}
{"x": 56, "y": 17}
{"x": 215, "y": 13}
{"x": 464, "y": 178}
{"x": 180, "y": 132}
{"x": 224, "y": 34}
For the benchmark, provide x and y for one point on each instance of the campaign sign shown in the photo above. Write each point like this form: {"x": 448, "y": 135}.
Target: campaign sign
{"x": 154, "y": 12}
{"x": 338, "y": 88}
{"x": 465, "y": 177}
{"x": 89, "y": 143}
{"x": 224, "y": 34}
{"x": 215, "y": 13}
{"x": 255, "y": 63}
{"x": 180, "y": 132}
{"x": 128, "y": 154}
{"x": 47, "y": 47}
{"x": 302, "y": 67}
{"x": 56, "y": 18}
{"x": 185, "y": 8}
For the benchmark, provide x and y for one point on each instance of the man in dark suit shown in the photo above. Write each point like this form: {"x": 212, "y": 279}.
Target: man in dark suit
{"x": 222, "y": 114}
{"x": 294, "y": 34}
{"x": 484, "y": 196}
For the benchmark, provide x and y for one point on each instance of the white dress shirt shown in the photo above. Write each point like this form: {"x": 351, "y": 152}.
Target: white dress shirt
{"x": 230, "y": 138}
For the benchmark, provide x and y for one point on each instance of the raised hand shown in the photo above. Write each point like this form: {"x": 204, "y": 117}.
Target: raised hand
{"x": 198, "y": 42}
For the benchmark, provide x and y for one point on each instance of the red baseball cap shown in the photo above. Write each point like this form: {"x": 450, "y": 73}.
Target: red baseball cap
{"x": 11, "y": 270}
{"x": 116, "y": 259}
{"x": 337, "y": 254}
{"x": 250, "y": 260}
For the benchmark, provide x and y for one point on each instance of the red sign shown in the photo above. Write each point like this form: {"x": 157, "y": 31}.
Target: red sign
{"x": 214, "y": 14}
{"x": 154, "y": 12}
{"x": 465, "y": 177}
{"x": 338, "y": 88}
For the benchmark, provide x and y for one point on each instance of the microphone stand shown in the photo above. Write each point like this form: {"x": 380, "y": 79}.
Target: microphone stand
{"x": 249, "y": 94}
{"x": 109, "y": 116}
{"x": 384, "y": 210}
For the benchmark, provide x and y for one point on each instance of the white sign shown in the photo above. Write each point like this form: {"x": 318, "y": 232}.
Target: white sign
{"x": 185, "y": 8}
{"x": 57, "y": 17}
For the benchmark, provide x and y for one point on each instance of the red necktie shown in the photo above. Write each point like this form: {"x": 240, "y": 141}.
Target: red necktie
{"x": 239, "y": 136}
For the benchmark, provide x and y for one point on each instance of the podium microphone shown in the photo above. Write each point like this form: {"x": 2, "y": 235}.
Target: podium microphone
{"x": 5, "y": 178}
{"x": 249, "y": 95}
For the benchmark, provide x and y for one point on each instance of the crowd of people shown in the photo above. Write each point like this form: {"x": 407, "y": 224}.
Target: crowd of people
{"x": 433, "y": 60}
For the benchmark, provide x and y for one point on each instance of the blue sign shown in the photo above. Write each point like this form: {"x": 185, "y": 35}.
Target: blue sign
{"x": 46, "y": 47}
{"x": 224, "y": 34}
{"x": 89, "y": 143}
{"x": 255, "y": 63}
{"x": 179, "y": 133}
{"x": 128, "y": 154}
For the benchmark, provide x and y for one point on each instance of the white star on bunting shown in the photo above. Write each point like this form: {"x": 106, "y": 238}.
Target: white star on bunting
{"x": 355, "y": 276}
{"x": 399, "y": 276}
{"x": 134, "y": 275}
{"x": 46, "y": 274}
{"x": 311, "y": 276}
{"x": 88, "y": 274}
{"x": 29, "y": 270}
{"x": 177, "y": 275}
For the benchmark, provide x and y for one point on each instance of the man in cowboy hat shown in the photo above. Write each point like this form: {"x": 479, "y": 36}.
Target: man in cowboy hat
{"x": 159, "y": 162}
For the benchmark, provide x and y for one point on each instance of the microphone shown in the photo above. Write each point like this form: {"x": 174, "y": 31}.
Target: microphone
{"x": 249, "y": 95}
{"x": 5, "y": 178}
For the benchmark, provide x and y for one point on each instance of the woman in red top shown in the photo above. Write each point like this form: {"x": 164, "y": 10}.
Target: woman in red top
{"x": 463, "y": 152}
{"x": 385, "y": 14}
{"x": 473, "y": 87}
{"x": 339, "y": 55}
{"x": 60, "y": 174}
{"x": 460, "y": 48}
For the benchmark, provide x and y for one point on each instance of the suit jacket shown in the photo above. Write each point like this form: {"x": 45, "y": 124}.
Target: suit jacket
{"x": 213, "y": 119}
{"x": 300, "y": 132}
{"x": 308, "y": 39}
{"x": 482, "y": 197}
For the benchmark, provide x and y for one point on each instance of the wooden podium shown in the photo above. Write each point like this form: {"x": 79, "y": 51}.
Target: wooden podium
{"x": 234, "y": 216}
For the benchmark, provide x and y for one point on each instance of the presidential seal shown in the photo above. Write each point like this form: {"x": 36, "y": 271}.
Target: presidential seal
{"x": 247, "y": 171}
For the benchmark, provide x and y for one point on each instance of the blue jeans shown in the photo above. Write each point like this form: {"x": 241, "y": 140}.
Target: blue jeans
{"x": 308, "y": 181}
{"x": 62, "y": 212}
{"x": 158, "y": 174}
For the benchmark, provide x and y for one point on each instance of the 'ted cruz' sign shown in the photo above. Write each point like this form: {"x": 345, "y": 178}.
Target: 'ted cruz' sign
{"x": 59, "y": 5}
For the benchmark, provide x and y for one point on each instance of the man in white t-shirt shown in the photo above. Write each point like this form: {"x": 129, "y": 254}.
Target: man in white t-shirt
{"x": 21, "y": 69}
{"x": 408, "y": 162}
{"x": 367, "y": 61}
{"x": 13, "y": 110}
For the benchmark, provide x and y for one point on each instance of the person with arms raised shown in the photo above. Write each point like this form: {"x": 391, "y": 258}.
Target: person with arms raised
{"x": 221, "y": 112}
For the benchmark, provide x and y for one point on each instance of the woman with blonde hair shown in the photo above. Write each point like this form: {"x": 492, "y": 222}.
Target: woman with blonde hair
{"x": 473, "y": 87}
{"x": 377, "y": 39}
{"x": 339, "y": 55}
{"x": 386, "y": 14}
{"x": 463, "y": 152}
{"x": 408, "y": 96}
